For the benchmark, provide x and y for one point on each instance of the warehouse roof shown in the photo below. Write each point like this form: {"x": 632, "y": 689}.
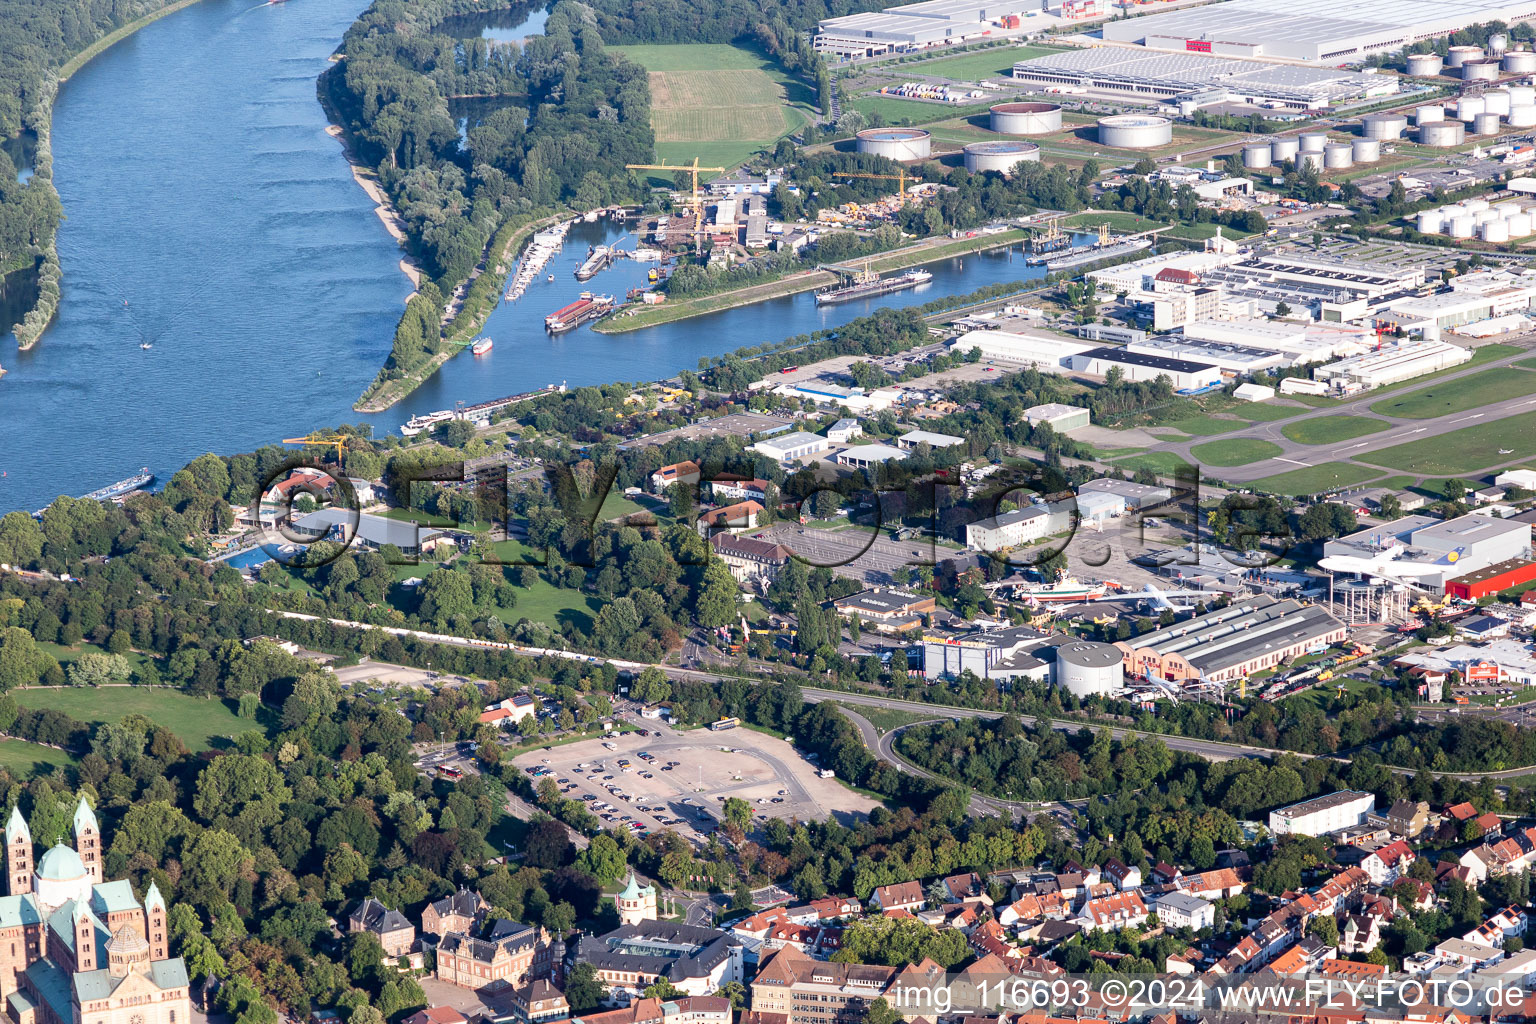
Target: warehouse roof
{"x": 1239, "y": 633}
{"x": 1488, "y": 573}
{"x": 1323, "y": 803}
{"x": 1120, "y": 355}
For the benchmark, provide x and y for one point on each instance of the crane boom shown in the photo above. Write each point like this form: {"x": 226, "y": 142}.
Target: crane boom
{"x": 694, "y": 199}
{"x": 337, "y": 441}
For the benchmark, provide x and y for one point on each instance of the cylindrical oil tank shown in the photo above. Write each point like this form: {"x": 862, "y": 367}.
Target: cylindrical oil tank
{"x": 896, "y": 143}
{"x": 1521, "y": 95}
{"x": 1429, "y": 114}
{"x": 1383, "y": 126}
{"x": 1087, "y": 667}
{"x": 1135, "y": 131}
{"x": 1430, "y": 222}
{"x": 1474, "y": 205}
{"x": 1520, "y": 62}
{"x": 1313, "y": 142}
{"x": 1519, "y": 225}
{"x": 1026, "y": 118}
{"x": 1338, "y": 155}
{"x": 1507, "y": 207}
{"x": 1486, "y": 70}
{"x": 1484, "y": 216}
{"x": 1284, "y": 148}
{"x": 1496, "y": 101}
{"x": 1366, "y": 151}
{"x": 1442, "y": 133}
{"x": 1456, "y": 56}
{"x": 1461, "y": 226}
{"x": 999, "y": 156}
{"x": 1256, "y": 154}
{"x": 1424, "y": 64}
{"x": 1485, "y": 124}
{"x": 1522, "y": 117}
{"x": 1469, "y": 107}
{"x": 1494, "y": 231}
{"x": 1312, "y": 160}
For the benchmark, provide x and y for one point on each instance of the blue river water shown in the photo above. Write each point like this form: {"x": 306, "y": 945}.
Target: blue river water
{"x": 211, "y": 217}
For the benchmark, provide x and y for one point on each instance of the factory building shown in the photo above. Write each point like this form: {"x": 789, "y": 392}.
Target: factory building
{"x": 1491, "y": 580}
{"x": 913, "y": 27}
{"x": 1237, "y": 360}
{"x": 1136, "y": 495}
{"x": 1320, "y": 31}
{"x": 1231, "y": 643}
{"x": 1463, "y": 545}
{"x": 1322, "y": 814}
{"x": 1183, "y": 374}
{"x": 1392, "y": 363}
{"x": 1147, "y": 76}
{"x": 1062, "y": 418}
{"x": 1021, "y": 348}
{"x": 1082, "y": 667}
{"x": 1298, "y": 342}
{"x": 789, "y": 447}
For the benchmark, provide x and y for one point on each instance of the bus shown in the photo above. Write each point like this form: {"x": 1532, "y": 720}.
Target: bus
{"x": 450, "y": 772}
{"x": 725, "y": 723}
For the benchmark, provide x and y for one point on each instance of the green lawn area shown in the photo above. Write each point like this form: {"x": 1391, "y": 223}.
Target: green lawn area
{"x": 994, "y": 62}
{"x": 1528, "y": 363}
{"x": 196, "y": 720}
{"x": 1263, "y": 412}
{"x": 1117, "y": 221}
{"x": 1235, "y": 451}
{"x": 544, "y": 602}
{"x": 1204, "y": 424}
{"x": 1328, "y": 429}
{"x": 898, "y": 111}
{"x": 64, "y": 655}
{"x": 1459, "y": 395}
{"x": 616, "y": 505}
{"x": 1200, "y": 232}
{"x": 1157, "y": 462}
{"x": 22, "y": 759}
{"x": 1314, "y": 479}
{"x": 1460, "y": 452}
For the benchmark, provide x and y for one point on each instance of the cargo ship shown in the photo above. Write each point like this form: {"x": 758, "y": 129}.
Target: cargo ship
{"x": 598, "y": 258}
{"x": 122, "y": 487}
{"x": 1093, "y": 253}
{"x": 481, "y": 347}
{"x": 588, "y": 307}
{"x": 866, "y": 287}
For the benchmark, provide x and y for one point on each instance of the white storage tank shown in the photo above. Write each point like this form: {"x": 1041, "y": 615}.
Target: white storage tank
{"x": 1507, "y": 207}
{"x": 1424, "y": 64}
{"x": 1338, "y": 155}
{"x": 1313, "y": 142}
{"x": 1026, "y": 118}
{"x": 1383, "y": 126}
{"x": 1495, "y": 231}
{"x": 1256, "y": 154}
{"x": 1496, "y": 101}
{"x": 1429, "y": 114}
{"x": 1431, "y": 222}
{"x": 1366, "y": 151}
{"x": 1522, "y": 117}
{"x": 1284, "y": 148}
{"x": 1480, "y": 71}
{"x": 1485, "y": 124}
{"x": 1312, "y": 160}
{"x": 1522, "y": 95}
{"x": 1520, "y": 62}
{"x": 895, "y": 143}
{"x": 1002, "y": 155}
{"x": 1462, "y": 226}
{"x": 1482, "y": 217}
{"x": 1497, "y": 44}
{"x": 1135, "y": 131}
{"x": 1469, "y": 107}
{"x": 1519, "y": 225}
{"x": 1086, "y": 667}
{"x": 1442, "y": 133}
{"x": 1474, "y": 205}
{"x": 1456, "y": 56}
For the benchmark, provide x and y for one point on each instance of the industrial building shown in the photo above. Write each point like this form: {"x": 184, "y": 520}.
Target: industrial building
{"x": 1136, "y": 495}
{"x": 1231, "y": 643}
{"x": 1082, "y": 667}
{"x": 1183, "y": 374}
{"x": 1237, "y": 360}
{"x": 1022, "y": 526}
{"x": 1490, "y": 580}
{"x": 1322, "y": 814}
{"x": 1298, "y": 342}
{"x": 1021, "y": 348}
{"x": 912, "y": 438}
{"x": 1062, "y": 418}
{"x": 1463, "y": 545}
{"x": 1391, "y": 363}
{"x": 789, "y": 447}
{"x": 1160, "y": 77}
{"x": 913, "y": 27}
{"x": 867, "y": 456}
{"x": 1321, "y": 31}
{"x": 1086, "y": 668}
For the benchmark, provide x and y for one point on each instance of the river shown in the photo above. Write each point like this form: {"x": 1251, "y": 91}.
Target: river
{"x": 211, "y": 217}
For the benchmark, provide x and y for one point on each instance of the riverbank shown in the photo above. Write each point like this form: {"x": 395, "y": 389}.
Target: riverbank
{"x": 383, "y": 206}
{"x": 85, "y": 56}
{"x": 929, "y": 250}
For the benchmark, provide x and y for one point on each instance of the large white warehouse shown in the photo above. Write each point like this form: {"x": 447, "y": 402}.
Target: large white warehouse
{"x": 1322, "y": 814}
{"x": 1021, "y": 348}
{"x": 1185, "y": 375}
{"x": 1313, "y": 30}
{"x": 913, "y": 26}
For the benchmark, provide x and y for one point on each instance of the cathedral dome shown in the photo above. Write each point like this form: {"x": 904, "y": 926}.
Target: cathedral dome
{"x": 61, "y": 864}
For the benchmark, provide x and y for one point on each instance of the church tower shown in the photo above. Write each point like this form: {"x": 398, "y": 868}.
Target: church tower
{"x": 88, "y": 841}
{"x": 18, "y": 855}
{"x": 155, "y": 921}
{"x": 85, "y": 939}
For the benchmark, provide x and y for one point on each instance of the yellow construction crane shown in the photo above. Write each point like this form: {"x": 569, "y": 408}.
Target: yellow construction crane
{"x": 694, "y": 199}
{"x": 337, "y": 441}
{"x": 900, "y": 177}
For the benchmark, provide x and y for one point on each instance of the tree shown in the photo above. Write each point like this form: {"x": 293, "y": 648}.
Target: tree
{"x": 1282, "y": 309}
{"x": 1454, "y": 489}
{"x": 602, "y": 859}
{"x": 738, "y": 812}
{"x": 716, "y": 602}
{"x": 880, "y": 1012}
{"x": 582, "y": 989}
{"x": 547, "y": 844}
{"x": 1326, "y": 928}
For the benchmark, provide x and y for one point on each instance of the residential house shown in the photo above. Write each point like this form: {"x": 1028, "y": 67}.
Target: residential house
{"x": 967, "y": 888}
{"x": 898, "y": 896}
{"x": 1509, "y": 923}
{"x": 436, "y": 1015}
{"x": 1180, "y": 910}
{"x": 1114, "y": 912}
{"x": 393, "y": 930}
{"x": 677, "y": 473}
{"x": 1122, "y": 875}
{"x": 1386, "y": 864}
{"x": 1408, "y": 817}
{"x": 1361, "y": 933}
{"x": 741, "y": 516}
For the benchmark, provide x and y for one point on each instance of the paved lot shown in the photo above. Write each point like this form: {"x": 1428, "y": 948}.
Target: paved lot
{"x": 859, "y": 554}
{"x": 739, "y": 424}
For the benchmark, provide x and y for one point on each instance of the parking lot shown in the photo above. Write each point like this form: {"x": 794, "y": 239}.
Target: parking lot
{"x": 683, "y": 786}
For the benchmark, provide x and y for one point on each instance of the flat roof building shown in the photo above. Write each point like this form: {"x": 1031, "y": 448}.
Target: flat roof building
{"x": 1239, "y": 360}
{"x": 864, "y": 456}
{"x": 1183, "y": 374}
{"x": 1390, "y": 364}
{"x": 789, "y": 447}
{"x": 1061, "y": 417}
{"x": 1322, "y": 814}
{"x": 911, "y": 27}
{"x": 913, "y": 438}
{"x": 1229, "y": 643}
{"x": 1021, "y": 348}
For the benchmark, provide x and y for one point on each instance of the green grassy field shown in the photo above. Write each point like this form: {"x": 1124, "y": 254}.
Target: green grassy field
{"x": 1157, "y": 462}
{"x": 1117, "y": 221}
{"x": 1263, "y": 412}
{"x": 1314, "y": 479}
{"x": 1328, "y": 429}
{"x": 718, "y": 102}
{"x": 1204, "y": 425}
{"x": 1235, "y": 451}
{"x": 995, "y": 62}
{"x": 544, "y": 602}
{"x": 1200, "y": 232}
{"x": 196, "y": 720}
{"x": 22, "y": 759}
{"x": 64, "y": 655}
{"x": 898, "y": 111}
{"x": 1460, "y": 395}
{"x": 1461, "y": 451}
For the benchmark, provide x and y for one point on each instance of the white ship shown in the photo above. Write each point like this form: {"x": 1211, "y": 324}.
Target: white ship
{"x": 416, "y": 424}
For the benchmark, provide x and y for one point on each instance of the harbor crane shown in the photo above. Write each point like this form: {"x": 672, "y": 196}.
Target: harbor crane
{"x": 694, "y": 199}
{"x": 337, "y": 441}
{"x": 900, "y": 177}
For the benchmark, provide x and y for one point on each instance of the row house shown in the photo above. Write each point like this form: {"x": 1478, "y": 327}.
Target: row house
{"x": 1212, "y": 885}
{"x": 1114, "y": 912}
{"x": 813, "y": 940}
{"x": 1509, "y": 923}
{"x": 1302, "y": 957}
{"x": 816, "y": 992}
{"x": 1341, "y": 891}
{"x": 967, "y": 888}
{"x": 1279, "y": 930}
{"x": 1030, "y": 907}
{"x": 1122, "y": 875}
{"x": 898, "y": 896}
{"x": 990, "y": 937}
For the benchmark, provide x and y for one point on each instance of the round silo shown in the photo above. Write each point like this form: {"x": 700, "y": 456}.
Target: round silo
{"x": 1480, "y": 70}
{"x": 1485, "y": 124}
{"x": 1521, "y": 95}
{"x": 1256, "y": 155}
{"x": 1462, "y": 226}
{"x": 1338, "y": 155}
{"x": 1430, "y": 222}
{"x": 1519, "y": 224}
{"x": 1424, "y": 65}
{"x": 1496, "y": 101}
{"x": 895, "y": 143}
{"x": 1313, "y": 142}
{"x": 1522, "y": 117}
{"x": 1366, "y": 151}
{"x": 1284, "y": 148}
{"x": 1135, "y": 131}
{"x": 1442, "y": 133}
{"x": 1383, "y": 126}
{"x": 1469, "y": 107}
{"x": 1026, "y": 118}
{"x": 1520, "y": 62}
{"x": 1474, "y": 205}
{"x": 1001, "y": 156}
{"x": 1494, "y": 231}
{"x": 1312, "y": 160}
{"x": 1456, "y": 56}
{"x": 1429, "y": 114}
{"x": 1088, "y": 668}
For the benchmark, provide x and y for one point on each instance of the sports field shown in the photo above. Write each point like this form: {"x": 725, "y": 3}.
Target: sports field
{"x": 1462, "y": 451}
{"x": 717, "y": 102}
{"x": 1328, "y": 429}
{"x": 1462, "y": 394}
